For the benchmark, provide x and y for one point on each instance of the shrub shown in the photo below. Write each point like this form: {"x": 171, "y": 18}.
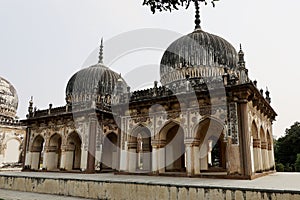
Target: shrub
{"x": 279, "y": 167}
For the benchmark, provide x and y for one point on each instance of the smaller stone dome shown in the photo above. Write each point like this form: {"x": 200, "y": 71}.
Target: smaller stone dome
{"x": 8, "y": 100}
{"x": 94, "y": 80}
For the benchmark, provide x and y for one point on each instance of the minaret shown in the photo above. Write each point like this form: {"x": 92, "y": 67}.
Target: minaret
{"x": 241, "y": 57}
{"x": 101, "y": 53}
{"x": 243, "y": 72}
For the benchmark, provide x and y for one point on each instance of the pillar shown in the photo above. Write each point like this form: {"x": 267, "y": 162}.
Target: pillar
{"x": 132, "y": 156}
{"x": 155, "y": 160}
{"x": 84, "y": 156}
{"x": 196, "y": 158}
{"x": 124, "y": 158}
{"x": 26, "y": 158}
{"x": 264, "y": 153}
{"x": 271, "y": 156}
{"x": 35, "y": 160}
{"x": 245, "y": 138}
{"x": 257, "y": 155}
{"x": 92, "y": 144}
{"x": 203, "y": 155}
{"x": 161, "y": 159}
{"x": 189, "y": 159}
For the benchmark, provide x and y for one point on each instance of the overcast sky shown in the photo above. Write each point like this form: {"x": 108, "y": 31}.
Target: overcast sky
{"x": 43, "y": 43}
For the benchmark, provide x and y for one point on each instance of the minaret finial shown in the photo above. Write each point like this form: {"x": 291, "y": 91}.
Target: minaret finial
{"x": 197, "y": 21}
{"x": 101, "y": 53}
{"x": 241, "y": 56}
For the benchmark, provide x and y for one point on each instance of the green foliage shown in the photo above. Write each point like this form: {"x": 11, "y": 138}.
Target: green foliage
{"x": 297, "y": 163}
{"x": 279, "y": 167}
{"x": 287, "y": 147}
{"x": 169, "y": 5}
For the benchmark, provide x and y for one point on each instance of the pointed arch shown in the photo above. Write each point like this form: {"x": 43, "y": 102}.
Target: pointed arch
{"x": 37, "y": 151}
{"x": 140, "y": 140}
{"x": 74, "y": 146}
{"x": 172, "y": 135}
{"x": 209, "y": 134}
{"x": 254, "y": 130}
{"x": 109, "y": 151}
{"x": 262, "y": 135}
{"x": 166, "y": 127}
{"x": 54, "y": 152}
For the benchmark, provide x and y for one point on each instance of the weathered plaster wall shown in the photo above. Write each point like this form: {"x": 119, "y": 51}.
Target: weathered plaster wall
{"x": 136, "y": 191}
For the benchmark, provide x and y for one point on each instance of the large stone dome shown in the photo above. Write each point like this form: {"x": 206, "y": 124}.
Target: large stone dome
{"x": 97, "y": 79}
{"x": 198, "y": 55}
{"x": 8, "y": 100}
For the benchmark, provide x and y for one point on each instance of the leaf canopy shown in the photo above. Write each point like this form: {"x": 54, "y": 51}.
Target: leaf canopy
{"x": 169, "y": 5}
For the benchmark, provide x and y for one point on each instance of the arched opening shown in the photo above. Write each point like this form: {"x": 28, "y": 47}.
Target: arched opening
{"x": 264, "y": 150}
{"x": 174, "y": 148}
{"x": 54, "y": 152}
{"x": 12, "y": 151}
{"x": 141, "y": 140}
{"x": 256, "y": 155}
{"x": 210, "y": 134}
{"x": 37, "y": 152}
{"x": 73, "y": 159}
{"x": 110, "y": 152}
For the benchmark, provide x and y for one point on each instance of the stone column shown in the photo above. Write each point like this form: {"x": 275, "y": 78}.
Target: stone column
{"x": 196, "y": 158}
{"x": 35, "y": 160}
{"x": 264, "y": 153}
{"x": 271, "y": 156}
{"x": 245, "y": 138}
{"x": 63, "y": 158}
{"x": 132, "y": 156}
{"x": 92, "y": 143}
{"x": 124, "y": 158}
{"x": 26, "y": 158}
{"x": 189, "y": 159}
{"x": 155, "y": 159}
{"x": 51, "y": 160}
{"x": 162, "y": 159}
{"x": 203, "y": 155}
{"x": 158, "y": 156}
{"x": 257, "y": 155}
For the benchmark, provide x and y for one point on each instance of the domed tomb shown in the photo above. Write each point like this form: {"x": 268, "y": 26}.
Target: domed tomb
{"x": 198, "y": 55}
{"x": 96, "y": 80}
{"x": 8, "y": 100}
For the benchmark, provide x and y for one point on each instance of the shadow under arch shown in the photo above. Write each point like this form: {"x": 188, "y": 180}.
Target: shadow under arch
{"x": 73, "y": 151}
{"x": 140, "y": 140}
{"x": 53, "y": 151}
{"x": 256, "y": 155}
{"x": 37, "y": 151}
{"x": 209, "y": 134}
{"x": 110, "y": 151}
{"x": 172, "y": 137}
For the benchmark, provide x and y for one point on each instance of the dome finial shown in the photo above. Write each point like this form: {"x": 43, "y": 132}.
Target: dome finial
{"x": 101, "y": 52}
{"x": 197, "y": 21}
